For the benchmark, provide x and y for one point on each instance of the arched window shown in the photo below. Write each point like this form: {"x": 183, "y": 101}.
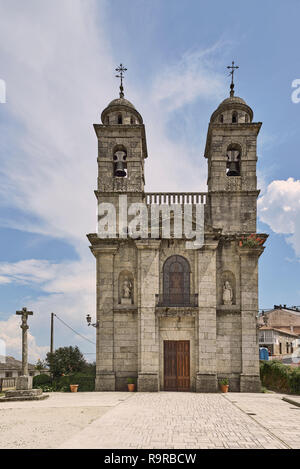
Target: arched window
{"x": 120, "y": 164}
{"x": 176, "y": 281}
{"x": 131, "y": 120}
{"x": 234, "y": 117}
{"x": 120, "y": 120}
{"x": 246, "y": 118}
{"x": 233, "y": 164}
{"x": 221, "y": 119}
{"x": 107, "y": 120}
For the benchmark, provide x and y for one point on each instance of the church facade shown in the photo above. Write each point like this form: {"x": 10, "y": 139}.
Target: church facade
{"x": 174, "y": 318}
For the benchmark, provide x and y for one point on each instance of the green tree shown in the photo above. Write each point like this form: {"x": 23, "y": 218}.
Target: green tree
{"x": 40, "y": 365}
{"x": 65, "y": 360}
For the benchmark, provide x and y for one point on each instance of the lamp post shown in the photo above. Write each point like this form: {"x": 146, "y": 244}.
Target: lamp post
{"x": 89, "y": 321}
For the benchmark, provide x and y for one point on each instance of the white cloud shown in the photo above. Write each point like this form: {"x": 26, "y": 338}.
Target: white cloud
{"x": 11, "y": 334}
{"x": 68, "y": 289}
{"x": 279, "y": 207}
{"x": 59, "y": 69}
{"x": 192, "y": 77}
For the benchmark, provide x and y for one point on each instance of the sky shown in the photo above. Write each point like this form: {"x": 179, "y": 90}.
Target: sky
{"x": 58, "y": 60}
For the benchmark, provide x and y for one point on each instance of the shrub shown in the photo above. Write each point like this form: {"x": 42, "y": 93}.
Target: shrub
{"x": 85, "y": 382}
{"x": 41, "y": 380}
{"x": 279, "y": 377}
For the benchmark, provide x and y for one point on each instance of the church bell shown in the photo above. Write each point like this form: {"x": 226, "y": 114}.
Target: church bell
{"x": 120, "y": 165}
{"x": 233, "y": 163}
{"x": 120, "y": 171}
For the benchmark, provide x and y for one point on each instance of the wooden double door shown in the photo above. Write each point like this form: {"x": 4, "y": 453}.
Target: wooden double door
{"x": 176, "y": 365}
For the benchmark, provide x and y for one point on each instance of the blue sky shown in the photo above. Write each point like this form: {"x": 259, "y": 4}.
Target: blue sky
{"x": 58, "y": 59}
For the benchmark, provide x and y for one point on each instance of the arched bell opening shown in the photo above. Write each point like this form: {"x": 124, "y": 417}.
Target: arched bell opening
{"x": 120, "y": 164}
{"x": 233, "y": 164}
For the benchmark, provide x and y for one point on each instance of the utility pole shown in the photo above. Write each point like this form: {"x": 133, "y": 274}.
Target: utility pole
{"x": 51, "y": 336}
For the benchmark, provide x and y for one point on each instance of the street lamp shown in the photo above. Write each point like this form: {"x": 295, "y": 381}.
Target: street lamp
{"x": 89, "y": 321}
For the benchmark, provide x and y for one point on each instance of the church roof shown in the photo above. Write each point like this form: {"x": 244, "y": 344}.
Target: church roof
{"x": 121, "y": 102}
{"x": 233, "y": 100}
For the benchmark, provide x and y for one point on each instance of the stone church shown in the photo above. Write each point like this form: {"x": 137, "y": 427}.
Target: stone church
{"x": 173, "y": 318}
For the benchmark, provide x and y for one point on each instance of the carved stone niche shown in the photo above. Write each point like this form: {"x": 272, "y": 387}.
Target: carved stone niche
{"x": 126, "y": 288}
{"x": 227, "y": 289}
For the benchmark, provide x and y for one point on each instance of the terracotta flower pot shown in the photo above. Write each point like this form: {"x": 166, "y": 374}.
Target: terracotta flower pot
{"x": 131, "y": 387}
{"x": 224, "y": 387}
{"x": 74, "y": 387}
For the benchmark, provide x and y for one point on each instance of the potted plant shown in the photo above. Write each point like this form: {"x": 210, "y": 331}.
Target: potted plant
{"x": 74, "y": 387}
{"x": 131, "y": 384}
{"x": 224, "y": 385}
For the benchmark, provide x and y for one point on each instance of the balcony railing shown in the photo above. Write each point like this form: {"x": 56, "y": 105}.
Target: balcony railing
{"x": 176, "y": 300}
{"x": 169, "y": 198}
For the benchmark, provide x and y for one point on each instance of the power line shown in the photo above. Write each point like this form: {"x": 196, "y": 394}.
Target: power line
{"x": 80, "y": 335}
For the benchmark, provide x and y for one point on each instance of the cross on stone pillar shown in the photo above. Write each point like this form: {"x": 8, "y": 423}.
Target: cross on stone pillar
{"x": 24, "y": 326}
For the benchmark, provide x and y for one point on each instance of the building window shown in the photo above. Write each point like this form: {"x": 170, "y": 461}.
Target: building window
{"x": 8, "y": 374}
{"x": 176, "y": 281}
{"x": 234, "y": 117}
{"x": 280, "y": 348}
{"x": 120, "y": 120}
{"x": 221, "y": 119}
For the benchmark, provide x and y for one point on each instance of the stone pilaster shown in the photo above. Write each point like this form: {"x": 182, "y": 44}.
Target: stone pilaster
{"x": 206, "y": 380}
{"x": 105, "y": 375}
{"x": 250, "y": 380}
{"x": 148, "y": 287}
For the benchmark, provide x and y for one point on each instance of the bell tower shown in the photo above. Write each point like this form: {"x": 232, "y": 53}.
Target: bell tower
{"x": 231, "y": 154}
{"x": 122, "y": 150}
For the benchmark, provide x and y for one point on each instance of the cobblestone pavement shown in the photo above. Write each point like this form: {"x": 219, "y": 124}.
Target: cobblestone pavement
{"x": 186, "y": 420}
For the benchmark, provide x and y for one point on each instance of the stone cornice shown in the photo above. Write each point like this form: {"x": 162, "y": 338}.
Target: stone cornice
{"x": 253, "y": 251}
{"x": 147, "y": 244}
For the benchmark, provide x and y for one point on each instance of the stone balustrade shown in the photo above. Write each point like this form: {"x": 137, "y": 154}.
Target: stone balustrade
{"x": 169, "y": 198}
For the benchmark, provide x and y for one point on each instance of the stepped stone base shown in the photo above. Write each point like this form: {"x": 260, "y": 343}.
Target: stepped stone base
{"x": 24, "y": 395}
{"x": 24, "y": 382}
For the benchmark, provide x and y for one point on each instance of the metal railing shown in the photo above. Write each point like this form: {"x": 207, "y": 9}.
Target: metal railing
{"x": 176, "y": 300}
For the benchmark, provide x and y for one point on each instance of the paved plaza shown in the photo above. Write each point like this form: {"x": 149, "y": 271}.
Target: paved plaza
{"x": 151, "y": 420}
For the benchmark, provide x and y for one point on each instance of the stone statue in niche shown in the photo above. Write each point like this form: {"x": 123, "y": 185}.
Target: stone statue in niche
{"x": 127, "y": 288}
{"x": 227, "y": 293}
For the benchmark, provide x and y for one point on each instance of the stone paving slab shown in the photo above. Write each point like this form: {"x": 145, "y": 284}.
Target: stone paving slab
{"x": 295, "y": 400}
{"x": 189, "y": 420}
{"x": 280, "y": 418}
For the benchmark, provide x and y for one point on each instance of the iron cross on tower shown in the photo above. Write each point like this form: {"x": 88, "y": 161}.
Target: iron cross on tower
{"x": 120, "y": 69}
{"x": 233, "y": 68}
